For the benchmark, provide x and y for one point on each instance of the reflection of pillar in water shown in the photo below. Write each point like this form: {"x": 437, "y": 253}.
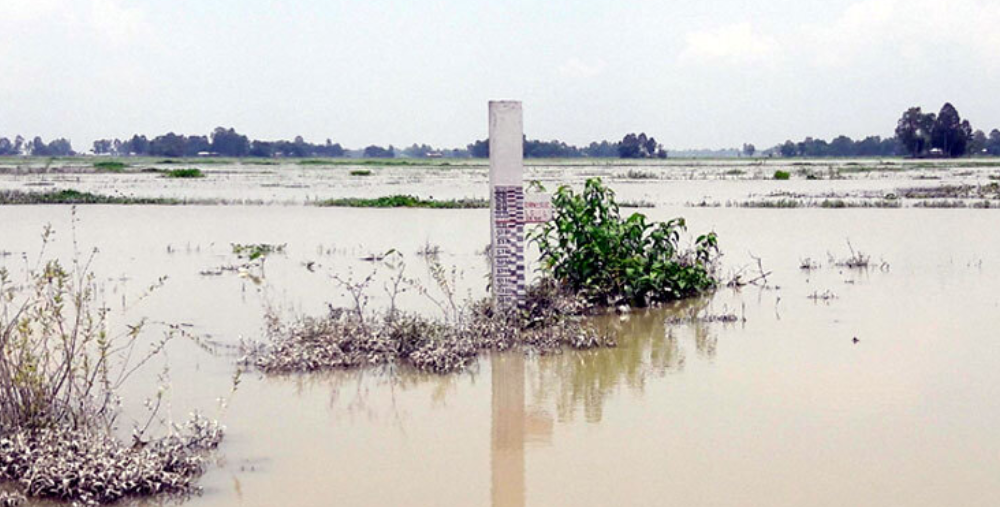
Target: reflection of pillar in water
{"x": 507, "y": 447}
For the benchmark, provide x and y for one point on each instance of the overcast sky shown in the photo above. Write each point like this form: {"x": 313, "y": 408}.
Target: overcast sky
{"x": 710, "y": 73}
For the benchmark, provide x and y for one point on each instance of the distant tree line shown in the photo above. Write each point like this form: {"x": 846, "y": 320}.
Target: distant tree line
{"x": 36, "y": 147}
{"x": 221, "y": 142}
{"x": 841, "y": 146}
{"x": 631, "y": 146}
{"x": 918, "y": 134}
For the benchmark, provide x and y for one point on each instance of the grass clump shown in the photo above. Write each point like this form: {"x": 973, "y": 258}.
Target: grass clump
{"x": 592, "y": 251}
{"x": 110, "y": 166}
{"x": 361, "y": 172}
{"x": 403, "y": 201}
{"x": 185, "y": 173}
{"x": 782, "y": 175}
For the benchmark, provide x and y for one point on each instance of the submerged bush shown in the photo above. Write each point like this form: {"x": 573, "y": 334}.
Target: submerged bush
{"x": 62, "y": 363}
{"x": 354, "y": 337}
{"x": 593, "y": 251}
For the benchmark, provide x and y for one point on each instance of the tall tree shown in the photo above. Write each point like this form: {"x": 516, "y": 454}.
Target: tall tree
{"x": 228, "y": 143}
{"x": 913, "y": 130}
{"x": 950, "y": 134}
{"x": 977, "y": 145}
{"x": 993, "y": 143}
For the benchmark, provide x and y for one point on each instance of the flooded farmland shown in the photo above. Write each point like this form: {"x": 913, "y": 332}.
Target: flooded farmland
{"x": 831, "y": 384}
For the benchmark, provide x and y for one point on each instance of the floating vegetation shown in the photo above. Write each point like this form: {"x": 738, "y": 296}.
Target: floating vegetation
{"x": 403, "y": 201}
{"x": 988, "y": 191}
{"x": 625, "y": 203}
{"x": 70, "y": 196}
{"x": 110, "y": 166}
{"x": 93, "y": 468}
{"x": 372, "y": 162}
{"x": 185, "y": 173}
{"x": 804, "y": 203}
{"x": 256, "y": 251}
{"x": 360, "y": 172}
{"x": 856, "y": 260}
{"x": 808, "y": 264}
{"x": 635, "y": 174}
{"x": 710, "y": 318}
{"x": 826, "y": 295}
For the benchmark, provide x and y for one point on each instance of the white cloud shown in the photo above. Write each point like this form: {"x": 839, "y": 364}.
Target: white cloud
{"x": 117, "y": 20}
{"x": 737, "y": 44}
{"x": 576, "y": 68}
{"x": 19, "y": 11}
{"x": 114, "y": 19}
{"x": 910, "y": 29}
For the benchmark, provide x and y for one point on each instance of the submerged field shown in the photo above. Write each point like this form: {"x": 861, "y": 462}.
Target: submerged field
{"x": 757, "y": 395}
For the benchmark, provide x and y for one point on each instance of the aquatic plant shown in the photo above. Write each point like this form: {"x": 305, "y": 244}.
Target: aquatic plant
{"x": 403, "y": 201}
{"x": 110, "y": 165}
{"x": 635, "y": 174}
{"x": 357, "y": 337}
{"x": 62, "y": 363}
{"x": 590, "y": 249}
{"x": 783, "y": 175}
{"x": 71, "y": 196}
{"x": 255, "y": 255}
{"x": 192, "y": 172}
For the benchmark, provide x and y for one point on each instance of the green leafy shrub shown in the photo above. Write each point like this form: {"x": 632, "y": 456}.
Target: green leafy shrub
{"x": 592, "y": 250}
{"x": 185, "y": 173}
{"x": 782, "y": 175}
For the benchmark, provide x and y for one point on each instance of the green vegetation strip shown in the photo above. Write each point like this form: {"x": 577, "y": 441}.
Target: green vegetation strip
{"x": 110, "y": 165}
{"x": 70, "y": 196}
{"x": 403, "y": 201}
{"x": 185, "y": 173}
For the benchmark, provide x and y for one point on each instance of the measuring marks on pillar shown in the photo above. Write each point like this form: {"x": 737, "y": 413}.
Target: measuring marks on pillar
{"x": 508, "y": 241}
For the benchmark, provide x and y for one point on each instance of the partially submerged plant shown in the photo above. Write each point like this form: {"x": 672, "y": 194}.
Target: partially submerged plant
{"x": 255, "y": 255}
{"x": 62, "y": 363}
{"x": 357, "y": 337}
{"x": 403, "y": 201}
{"x": 591, "y": 250}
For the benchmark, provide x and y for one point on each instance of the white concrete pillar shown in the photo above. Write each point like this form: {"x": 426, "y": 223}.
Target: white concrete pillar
{"x": 507, "y": 203}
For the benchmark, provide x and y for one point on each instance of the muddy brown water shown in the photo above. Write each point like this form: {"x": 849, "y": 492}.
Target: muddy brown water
{"x": 780, "y": 409}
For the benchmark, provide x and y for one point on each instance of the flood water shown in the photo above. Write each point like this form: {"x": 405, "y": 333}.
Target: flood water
{"x": 781, "y": 408}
